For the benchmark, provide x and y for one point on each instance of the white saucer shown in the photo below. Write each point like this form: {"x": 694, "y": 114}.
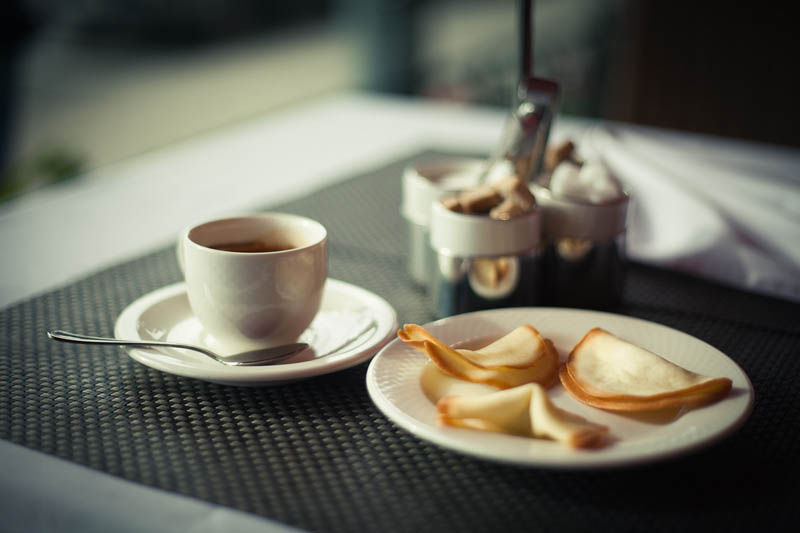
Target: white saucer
{"x": 393, "y": 382}
{"x": 352, "y": 325}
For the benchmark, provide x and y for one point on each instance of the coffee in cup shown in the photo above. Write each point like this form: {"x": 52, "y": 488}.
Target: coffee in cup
{"x": 254, "y": 281}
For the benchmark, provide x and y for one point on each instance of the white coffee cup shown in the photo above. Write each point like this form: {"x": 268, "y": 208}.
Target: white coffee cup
{"x": 253, "y": 299}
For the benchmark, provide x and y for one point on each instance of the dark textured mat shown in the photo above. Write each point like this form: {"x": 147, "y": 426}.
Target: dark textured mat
{"x": 318, "y": 455}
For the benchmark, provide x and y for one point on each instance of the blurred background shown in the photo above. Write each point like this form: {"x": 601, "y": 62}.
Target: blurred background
{"x": 91, "y": 82}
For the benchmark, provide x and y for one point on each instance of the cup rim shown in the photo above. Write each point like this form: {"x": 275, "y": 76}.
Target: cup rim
{"x": 187, "y": 233}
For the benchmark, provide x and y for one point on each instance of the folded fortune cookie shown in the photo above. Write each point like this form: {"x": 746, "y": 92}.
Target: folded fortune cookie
{"x": 607, "y": 372}
{"x": 522, "y": 356}
{"x": 525, "y": 410}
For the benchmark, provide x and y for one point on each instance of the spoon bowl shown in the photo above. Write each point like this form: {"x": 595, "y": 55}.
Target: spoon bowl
{"x": 262, "y": 356}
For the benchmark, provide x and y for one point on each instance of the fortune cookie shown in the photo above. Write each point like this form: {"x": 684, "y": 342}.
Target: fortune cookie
{"x": 607, "y": 372}
{"x": 522, "y": 356}
{"x": 525, "y": 410}
{"x": 436, "y": 384}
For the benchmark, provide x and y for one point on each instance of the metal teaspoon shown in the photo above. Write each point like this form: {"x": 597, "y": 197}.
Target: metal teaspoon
{"x": 263, "y": 356}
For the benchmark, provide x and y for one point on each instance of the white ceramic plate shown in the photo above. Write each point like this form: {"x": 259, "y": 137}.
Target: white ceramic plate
{"x": 393, "y": 384}
{"x": 351, "y": 326}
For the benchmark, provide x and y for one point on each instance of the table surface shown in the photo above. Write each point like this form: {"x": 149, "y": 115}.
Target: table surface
{"x": 100, "y": 242}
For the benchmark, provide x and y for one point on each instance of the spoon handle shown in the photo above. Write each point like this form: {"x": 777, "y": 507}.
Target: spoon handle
{"x": 526, "y": 40}
{"x": 66, "y": 336}
{"x": 265, "y": 356}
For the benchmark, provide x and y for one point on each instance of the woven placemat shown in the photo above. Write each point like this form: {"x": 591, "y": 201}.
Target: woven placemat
{"x": 318, "y": 455}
